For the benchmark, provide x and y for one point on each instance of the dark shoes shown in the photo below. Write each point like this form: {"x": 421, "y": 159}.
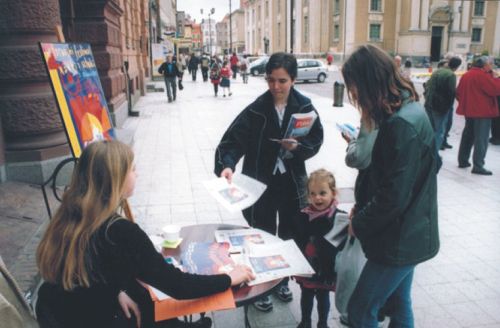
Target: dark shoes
{"x": 495, "y": 141}
{"x": 446, "y": 145}
{"x": 284, "y": 293}
{"x": 463, "y": 165}
{"x": 264, "y": 304}
{"x": 481, "y": 171}
{"x": 169, "y": 100}
{"x": 305, "y": 324}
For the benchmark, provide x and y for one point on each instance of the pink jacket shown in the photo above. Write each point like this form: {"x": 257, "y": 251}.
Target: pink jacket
{"x": 477, "y": 94}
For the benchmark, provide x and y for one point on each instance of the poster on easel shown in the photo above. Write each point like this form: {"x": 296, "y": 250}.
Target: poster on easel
{"x": 79, "y": 95}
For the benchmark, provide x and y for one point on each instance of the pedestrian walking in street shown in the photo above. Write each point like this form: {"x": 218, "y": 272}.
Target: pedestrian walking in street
{"x": 193, "y": 66}
{"x": 315, "y": 221}
{"x": 477, "y": 94}
{"x": 439, "y": 98}
{"x": 170, "y": 74}
{"x": 215, "y": 75}
{"x": 225, "y": 82}
{"x": 234, "y": 64}
{"x": 250, "y": 136}
{"x": 205, "y": 66}
{"x": 90, "y": 254}
{"x": 180, "y": 69}
{"x": 397, "y": 227}
{"x": 244, "y": 66}
{"x": 329, "y": 58}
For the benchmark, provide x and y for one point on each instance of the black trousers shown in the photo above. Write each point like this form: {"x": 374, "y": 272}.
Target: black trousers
{"x": 279, "y": 198}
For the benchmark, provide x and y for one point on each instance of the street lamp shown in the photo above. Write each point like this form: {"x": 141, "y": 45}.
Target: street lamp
{"x": 211, "y": 12}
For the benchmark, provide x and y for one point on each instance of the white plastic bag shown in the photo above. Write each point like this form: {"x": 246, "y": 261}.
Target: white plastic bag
{"x": 349, "y": 264}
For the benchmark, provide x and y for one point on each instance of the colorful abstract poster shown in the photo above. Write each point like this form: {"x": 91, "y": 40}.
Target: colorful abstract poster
{"x": 79, "y": 95}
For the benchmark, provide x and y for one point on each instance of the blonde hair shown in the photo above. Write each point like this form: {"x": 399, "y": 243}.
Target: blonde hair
{"x": 94, "y": 195}
{"x": 323, "y": 175}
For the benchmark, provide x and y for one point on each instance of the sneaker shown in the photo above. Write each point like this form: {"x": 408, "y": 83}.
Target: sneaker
{"x": 463, "y": 165}
{"x": 264, "y": 304}
{"x": 284, "y": 293}
{"x": 169, "y": 100}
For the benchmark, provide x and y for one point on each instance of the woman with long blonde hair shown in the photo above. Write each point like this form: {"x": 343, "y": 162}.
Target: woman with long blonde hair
{"x": 90, "y": 253}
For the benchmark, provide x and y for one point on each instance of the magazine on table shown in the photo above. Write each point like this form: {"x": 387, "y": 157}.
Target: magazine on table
{"x": 238, "y": 238}
{"x": 241, "y": 193}
{"x": 207, "y": 258}
{"x": 274, "y": 261}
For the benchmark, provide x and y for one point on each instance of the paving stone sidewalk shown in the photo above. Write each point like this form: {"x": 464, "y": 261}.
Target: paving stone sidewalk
{"x": 174, "y": 146}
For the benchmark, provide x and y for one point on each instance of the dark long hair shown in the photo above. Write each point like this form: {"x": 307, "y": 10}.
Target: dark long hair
{"x": 375, "y": 84}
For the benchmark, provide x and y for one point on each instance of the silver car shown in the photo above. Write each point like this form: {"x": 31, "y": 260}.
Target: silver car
{"x": 311, "y": 69}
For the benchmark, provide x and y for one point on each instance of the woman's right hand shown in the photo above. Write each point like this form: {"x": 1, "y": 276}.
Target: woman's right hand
{"x": 241, "y": 274}
{"x": 227, "y": 173}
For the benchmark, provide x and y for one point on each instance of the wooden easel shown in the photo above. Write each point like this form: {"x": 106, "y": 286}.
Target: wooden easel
{"x": 126, "y": 206}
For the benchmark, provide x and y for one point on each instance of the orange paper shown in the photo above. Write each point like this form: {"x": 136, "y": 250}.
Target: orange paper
{"x": 171, "y": 308}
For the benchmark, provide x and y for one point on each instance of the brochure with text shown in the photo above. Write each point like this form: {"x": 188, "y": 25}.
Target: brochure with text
{"x": 241, "y": 193}
{"x": 238, "y": 238}
{"x": 300, "y": 124}
{"x": 274, "y": 261}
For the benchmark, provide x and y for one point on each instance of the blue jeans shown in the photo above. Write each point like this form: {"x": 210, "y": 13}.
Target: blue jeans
{"x": 375, "y": 285}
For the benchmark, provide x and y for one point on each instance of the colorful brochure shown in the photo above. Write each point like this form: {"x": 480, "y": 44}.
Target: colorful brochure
{"x": 241, "y": 193}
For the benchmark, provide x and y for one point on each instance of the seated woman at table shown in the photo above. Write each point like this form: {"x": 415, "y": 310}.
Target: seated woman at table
{"x": 89, "y": 253}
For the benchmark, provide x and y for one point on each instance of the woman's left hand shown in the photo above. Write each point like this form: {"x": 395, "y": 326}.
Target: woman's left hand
{"x": 289, "y": 144}
{"x": 128, "y": 306}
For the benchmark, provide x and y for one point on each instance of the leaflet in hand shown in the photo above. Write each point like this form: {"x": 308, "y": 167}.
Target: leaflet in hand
{"x": 348, "y": 129}
{"x": 241, "y": 193}
{"x": 300, "y": 124}
{"x": 274, "y": 261}
{"x": 339, "y": 231}
{"x": 239, "y": 238}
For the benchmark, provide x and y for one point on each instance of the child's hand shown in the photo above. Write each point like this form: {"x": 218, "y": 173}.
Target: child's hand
{"x": 128, "y": 305}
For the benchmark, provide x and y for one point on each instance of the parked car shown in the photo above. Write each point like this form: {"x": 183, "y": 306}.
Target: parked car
{"x": 311, "y": 69}
{"x": 258, "y": 66}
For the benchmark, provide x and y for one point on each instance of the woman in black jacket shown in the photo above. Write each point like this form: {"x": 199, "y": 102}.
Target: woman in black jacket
{"x": 397, "y": 226}
{"x": 279, "y": 165}
{"x": 90, "y": 254}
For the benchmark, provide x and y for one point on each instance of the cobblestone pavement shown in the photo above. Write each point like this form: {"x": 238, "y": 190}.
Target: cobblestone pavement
{"x": 174, "y": 146}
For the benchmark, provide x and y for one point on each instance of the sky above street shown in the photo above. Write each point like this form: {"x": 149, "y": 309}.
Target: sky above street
{"x": 192, "y": 7}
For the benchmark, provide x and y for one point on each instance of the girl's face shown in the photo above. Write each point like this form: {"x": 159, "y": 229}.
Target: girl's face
{"x": 129, "y": 185}
{"x": 320, "y": 194}
{"x": 279, "y": 83}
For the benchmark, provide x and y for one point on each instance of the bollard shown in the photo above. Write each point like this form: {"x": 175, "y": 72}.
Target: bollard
{"x": 338, "y": 94}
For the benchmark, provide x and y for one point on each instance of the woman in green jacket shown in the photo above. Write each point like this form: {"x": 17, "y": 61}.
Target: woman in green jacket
{"x": 397, "y": 227}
